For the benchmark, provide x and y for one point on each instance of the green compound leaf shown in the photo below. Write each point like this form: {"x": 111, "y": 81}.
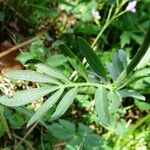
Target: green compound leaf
{"x": 64, "y": 104}
{"x": 45, "y": 107}
{"x": 30, "y": 75}
{"x": 101, "y": 106}
{"x": 115, "y": 100}
{"x": 51, "y": 71}
{"x": 75, "y": 62}
{"x": 26, "y": 96}
{"x": 91, "y": 57}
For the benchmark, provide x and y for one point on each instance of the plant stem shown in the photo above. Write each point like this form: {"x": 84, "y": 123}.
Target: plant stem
{"x": 108, "y": 21}
{"x": 71, "y": 84}
{"x": 139, "y": 55}
{"x": 6, "y": 52}
{"x": 26, "y": 135}
{"x": 99, "y": 35}
{"x": 18, "y": 137}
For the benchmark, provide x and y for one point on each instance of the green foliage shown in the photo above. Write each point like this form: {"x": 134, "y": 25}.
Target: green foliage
{"x": 92, "y": 58}
{"x": 144, "y": 106}
{"x": 101, "y": 106}
{"x": 45, "y": 107}
{"x": 76, "y": 137}
{"x": 3, "y": 120}
{"x": 115, "y": 100}
{"x": 30, "y": 12}
{"x": 2, "y": 16}
{"x": 29, "y": 75}
{"x": 81, "y": 9}
{"x": 106, "y": 102}
{"x": 145, "y": 60}
{"x": 75, "y": 62}
{"x": 26, "y": 96}
{"x": 52, "y": 71}
{"x": 131, "y": 93}
{"x": 65, "y": 103}
{"x": 16, "y": 121}
{"x": 100, "y": 98}
{"x": 119, "y": 62}
{"x": 36, "y": 51}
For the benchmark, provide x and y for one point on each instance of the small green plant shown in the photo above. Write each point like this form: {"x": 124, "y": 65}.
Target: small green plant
{"x": 108, "y": 96}
{"x": 98, "y": 87}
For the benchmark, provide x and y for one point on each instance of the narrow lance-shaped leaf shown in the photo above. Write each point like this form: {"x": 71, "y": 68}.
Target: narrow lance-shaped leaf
{"x": 136, "y": 78}
{"x": 75, "y": 62}
{"x": 131, "y": 93}
{"x": 51, "y": 71}
{"x": 91, "y": 57}
{"x": 101, "y": 106}
{"x": 137, "y": 58}
{"x": 26, "y": 96}
{"x": 117, "y": 65}
{"x": 123, "y": 57}
{"x": 115, "y": 100}
{"x": 30, "y": 75}
{"x": 64, "y": 104}
{"x": 145, "y": 60}
{"x": 45, "y": 107}
{"x": 3, "y": 121}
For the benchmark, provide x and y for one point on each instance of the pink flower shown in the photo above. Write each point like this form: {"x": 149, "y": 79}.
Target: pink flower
{"x": 131, "y": 6}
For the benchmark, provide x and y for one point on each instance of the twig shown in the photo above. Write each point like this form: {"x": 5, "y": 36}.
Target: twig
{"x": 60, "y": 144}
{"x": 42, "y": 144}
{"x": 26, "y": 135}
{"x": 18, "y": 137}
{"x": 17, "y": 47}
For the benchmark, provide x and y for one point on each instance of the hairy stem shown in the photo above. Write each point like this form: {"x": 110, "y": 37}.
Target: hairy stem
{"x": 83, "y": 84}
